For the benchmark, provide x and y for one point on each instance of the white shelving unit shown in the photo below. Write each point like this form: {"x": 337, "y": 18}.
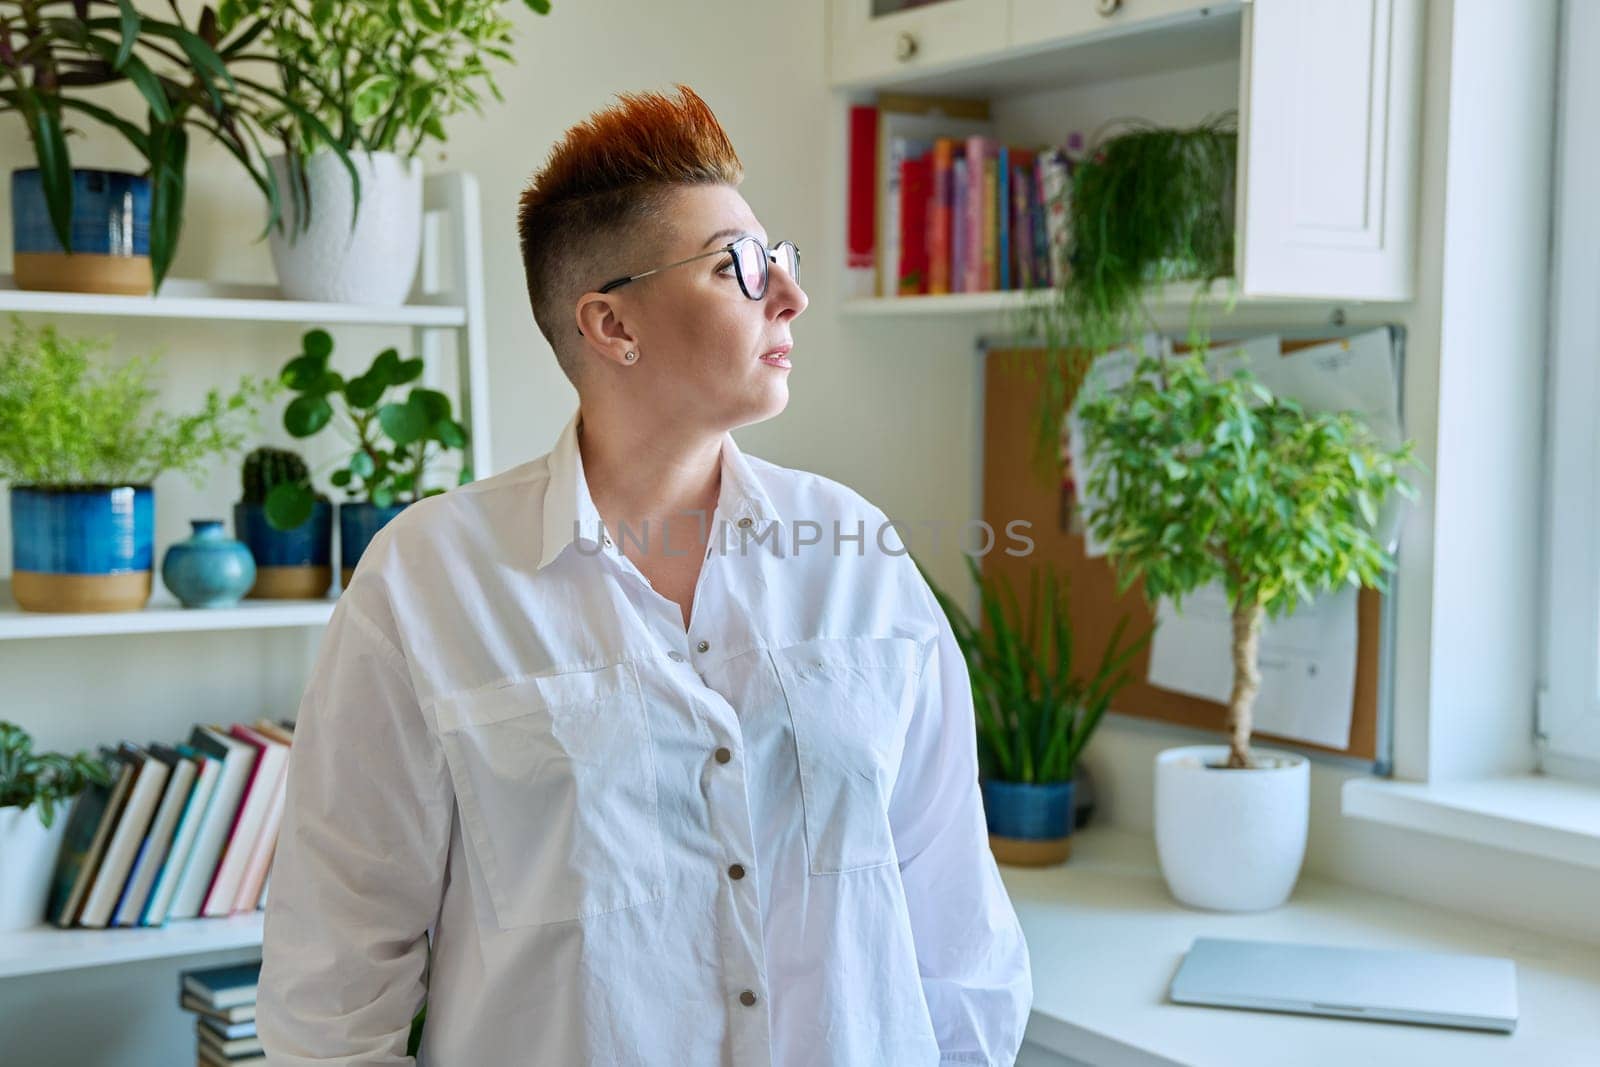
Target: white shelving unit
{"x": 447, "y": 301}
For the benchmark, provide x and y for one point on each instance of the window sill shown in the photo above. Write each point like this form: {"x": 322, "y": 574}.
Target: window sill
{"x": 1542, "y": 816}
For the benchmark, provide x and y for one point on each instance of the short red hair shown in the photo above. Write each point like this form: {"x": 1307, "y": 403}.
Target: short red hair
{"x": 596, "y": 209}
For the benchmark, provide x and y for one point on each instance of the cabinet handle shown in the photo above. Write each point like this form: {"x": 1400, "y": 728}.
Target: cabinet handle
{"x": 905, "y": 45}
{"x": 1107, "y": 8}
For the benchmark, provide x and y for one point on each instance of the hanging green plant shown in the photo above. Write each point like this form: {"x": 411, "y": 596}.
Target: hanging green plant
{"x": 1150, "y": 205}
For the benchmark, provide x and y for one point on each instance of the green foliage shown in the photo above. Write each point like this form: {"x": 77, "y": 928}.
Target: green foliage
{"x": 381, "y": 75}
{"x": 44, "y": 779}
{"x": 280, "y": 480}
{"x": 53, "y": 66}
{"x": 67, "y": 421}
{"x": 1199, "y": 479}
{"x": 1151, "y": 205}
{"x": 392, "y": 441}
{"x": 1034, "y": 715}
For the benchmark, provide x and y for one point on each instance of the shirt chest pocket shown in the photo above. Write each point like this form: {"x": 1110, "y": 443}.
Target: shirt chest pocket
{"x": 848, "y": 701}
{"x": 556, "y": 785}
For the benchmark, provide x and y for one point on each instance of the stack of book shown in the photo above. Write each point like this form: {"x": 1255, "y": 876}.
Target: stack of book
{"x": 182, "y": 831}
{"x": 937, "y": 204}
{"x": 224, "y": 1002}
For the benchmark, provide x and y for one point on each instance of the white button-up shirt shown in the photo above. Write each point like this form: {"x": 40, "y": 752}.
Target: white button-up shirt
{"x": 758, "y": 842}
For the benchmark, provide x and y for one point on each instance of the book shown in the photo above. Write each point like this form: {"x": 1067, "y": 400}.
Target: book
{"x": 223, "y": 987}
{"x": 991, "y": 231}
{"x": 259, "y": 795}
{"x": 1022, "y": 217}
{"x": 255, "y": 870}
{"x": 958, "y": 223}
{"x": 150, "y": 781}
{"x": 862, "y": 201}
{"x": 227, "y": 1030}
{"x": 153, "y": 851}
{"x": 939, "y": 215}
{"x": 239, "y": 1013}
{"x": 238, "y": 761}
{"x": 206, "y": 1056}
{"x": 1002, "y": 207}
{"x": 917, "y": 121}
{"x": 916, "y": 189}
{"x": 231, "y": 1048}
{"x": 208, "y": 771}
{"x": 84, "y": 841}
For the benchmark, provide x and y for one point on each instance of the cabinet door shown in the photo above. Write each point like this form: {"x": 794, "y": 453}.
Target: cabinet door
{"x": 878, "y": 40}
{"x": 1044, "y": 21}
{"x": 1330, "y": 130}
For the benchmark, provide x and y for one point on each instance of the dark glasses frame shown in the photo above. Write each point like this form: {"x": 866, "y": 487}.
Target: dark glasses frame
{"x": 767, "y": 258}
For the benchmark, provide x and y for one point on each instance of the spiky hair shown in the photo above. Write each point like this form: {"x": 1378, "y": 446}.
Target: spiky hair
{"x": 598, "y": 206}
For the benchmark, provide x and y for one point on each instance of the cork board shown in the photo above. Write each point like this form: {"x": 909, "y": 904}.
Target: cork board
{"x": 1014, "y": 489}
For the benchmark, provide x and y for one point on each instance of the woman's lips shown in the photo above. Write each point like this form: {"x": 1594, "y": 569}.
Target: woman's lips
{"x": 778, "y": 357}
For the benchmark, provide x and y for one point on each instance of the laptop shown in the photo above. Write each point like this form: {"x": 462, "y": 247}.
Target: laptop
{"x": 1430, "y": 988}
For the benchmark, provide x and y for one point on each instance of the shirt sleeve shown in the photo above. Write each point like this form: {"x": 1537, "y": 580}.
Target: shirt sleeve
{"x": 359, "y": 871}
{"x": 973, "y": 960}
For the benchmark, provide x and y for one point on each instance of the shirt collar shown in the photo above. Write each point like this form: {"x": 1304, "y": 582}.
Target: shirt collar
{"x": 570, "y": 515}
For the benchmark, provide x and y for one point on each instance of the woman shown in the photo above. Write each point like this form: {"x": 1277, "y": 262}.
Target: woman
{"x": 670, "y": 748}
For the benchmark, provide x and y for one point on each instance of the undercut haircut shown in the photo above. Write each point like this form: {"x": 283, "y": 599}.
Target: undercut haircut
{"x": 597, "y": 208}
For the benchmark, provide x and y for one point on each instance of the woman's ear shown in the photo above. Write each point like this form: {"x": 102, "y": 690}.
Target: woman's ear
{"x": 604, "y": 332}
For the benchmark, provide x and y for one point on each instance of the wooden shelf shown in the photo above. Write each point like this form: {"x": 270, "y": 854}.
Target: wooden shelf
{"x": 43, "y": 949}
{"x": 181, "y": 299}
{"x": 162, "y": 615}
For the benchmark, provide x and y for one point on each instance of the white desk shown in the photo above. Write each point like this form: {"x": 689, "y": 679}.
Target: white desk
{"x": 1105, "y": 938}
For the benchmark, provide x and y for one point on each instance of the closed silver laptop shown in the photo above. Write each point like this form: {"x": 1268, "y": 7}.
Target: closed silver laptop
{"x": 1432, "y": 988}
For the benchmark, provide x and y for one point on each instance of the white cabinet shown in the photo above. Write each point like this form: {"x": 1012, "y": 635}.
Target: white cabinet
{"x": 1329, "y": 148}
{"x": 1041, "y": 21}
{"x": 884, "y": 39}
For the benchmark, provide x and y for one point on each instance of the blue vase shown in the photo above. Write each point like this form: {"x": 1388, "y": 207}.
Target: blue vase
{"x": 1029, "y": 825}
{"x": 357, "y": 525}
{"x": 110, "y": 230}
{"x": 81, "y": 547}
{"x": 208, "y": 569}
{"x": 290, "y": 564}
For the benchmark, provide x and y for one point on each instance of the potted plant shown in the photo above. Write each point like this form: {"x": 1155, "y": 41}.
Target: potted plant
{"x": 31, "y": 785}
{"x": 114, "y": 231}
{"x": 392, "y": 441}
{"x": 1034, "y": 714}
{"x": 1148, "y": 205}
{"x": 383, "y": 78}
{"x": 292, "y": 546}
{"x": 1196, "y": 479}
{"x": 80, "y": 445}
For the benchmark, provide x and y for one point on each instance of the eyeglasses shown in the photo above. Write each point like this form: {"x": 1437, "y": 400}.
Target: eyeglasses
{"x": 750, "y": 261}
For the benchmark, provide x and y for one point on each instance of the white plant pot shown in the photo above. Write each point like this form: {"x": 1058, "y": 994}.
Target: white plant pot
{"x": 27, "y": 860}
{"x": 1231, "y": 840}
{"x": 374, "y": 263}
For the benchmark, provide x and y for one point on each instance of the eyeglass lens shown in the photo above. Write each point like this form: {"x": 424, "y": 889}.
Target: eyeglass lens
{"x": 753, "y": 264}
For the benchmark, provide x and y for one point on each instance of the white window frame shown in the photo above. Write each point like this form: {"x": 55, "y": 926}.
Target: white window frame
{"x": 1569, "y": 699}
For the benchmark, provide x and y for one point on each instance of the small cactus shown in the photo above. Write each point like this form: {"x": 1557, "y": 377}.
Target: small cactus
{"x": 268, "y": 467}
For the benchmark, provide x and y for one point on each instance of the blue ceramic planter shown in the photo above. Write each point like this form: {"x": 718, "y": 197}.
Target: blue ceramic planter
{"x": 1029, "y": 825}
{"x": 357, "y": 525}
{"x": 110, "y": 233}
{"x": 290, "y": 564}
{"x": 209, "y": 569}
{"x": 82, "y": 548}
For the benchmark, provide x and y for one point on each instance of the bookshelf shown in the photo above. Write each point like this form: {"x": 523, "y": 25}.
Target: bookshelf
{"x": 44, "y": 949}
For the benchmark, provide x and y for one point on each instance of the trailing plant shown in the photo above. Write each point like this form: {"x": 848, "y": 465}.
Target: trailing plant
{"x": 55, "y": 58}
{"x": 1195, "y": 479}
{"x": 273, "y": 478}
{"x": 1151, "y": 205}
{"x": 66, "y": 420}
{"x": 1034, "y": 714}
{"x": 392, "y": 441}
{"x": 42, "y": 779}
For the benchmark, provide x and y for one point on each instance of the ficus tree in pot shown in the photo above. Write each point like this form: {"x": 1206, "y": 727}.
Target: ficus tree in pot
{"x": 1197, "y": 478}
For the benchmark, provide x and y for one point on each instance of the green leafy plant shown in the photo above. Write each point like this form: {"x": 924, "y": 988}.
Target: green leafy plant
{"x": 1195, "y": 479}
{"x": 1150, "y": 205}
{"x": 392, "y": 441}
{"x": 55, "y": 59}
{"x": 275, "y": 478}
{"x": 1034, "y": 714}
{"x": 65, "y": 420}
{"x": 42, "y": 779}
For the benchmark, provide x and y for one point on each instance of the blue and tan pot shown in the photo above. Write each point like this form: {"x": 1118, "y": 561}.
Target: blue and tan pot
{"x": 110, "y": 234}
{"x": 1029, "y": 825}
{"x": 208, "y": 569}
{"x": 292, "y": 564}
{"x": 357, "y": 525}
{"x": 82, "y": 548}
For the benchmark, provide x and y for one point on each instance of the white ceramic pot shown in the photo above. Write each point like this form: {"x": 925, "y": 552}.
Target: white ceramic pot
{"x": 375, "y": 262}
{"x": 1231, "y": 840}
{"x": 27, "y": 860}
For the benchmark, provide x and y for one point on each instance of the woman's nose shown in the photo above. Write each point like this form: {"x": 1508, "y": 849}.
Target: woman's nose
{"x": 784, "y": 294}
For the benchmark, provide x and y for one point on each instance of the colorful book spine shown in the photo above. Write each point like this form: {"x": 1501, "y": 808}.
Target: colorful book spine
{"x": 958, "y": 225}
{"x": 1041, "y": 241}
{"x": 1002, "y": 209}
{"x": 991, "y": 236}
{"x": 1022, "y": 217}
{"x": 861, "y": 226}
{"x": 939, "y": 216}
{"x": 916, "y": 181}
{"x": 972, "y": 266}
{"x": 209, "y": 772}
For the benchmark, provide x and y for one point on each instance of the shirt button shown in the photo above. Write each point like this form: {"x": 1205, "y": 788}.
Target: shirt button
{"x": 675, "y": 656}
{"x": 744, "y": 523}
{"x": 703, "y": 646}
{"x": 736, "y": 871}
{"x": 747, "y": 998}
{"x": 723, "y": 755}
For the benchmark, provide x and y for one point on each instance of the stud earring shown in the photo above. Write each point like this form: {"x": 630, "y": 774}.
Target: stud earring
{"x": 631, "y": 356}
